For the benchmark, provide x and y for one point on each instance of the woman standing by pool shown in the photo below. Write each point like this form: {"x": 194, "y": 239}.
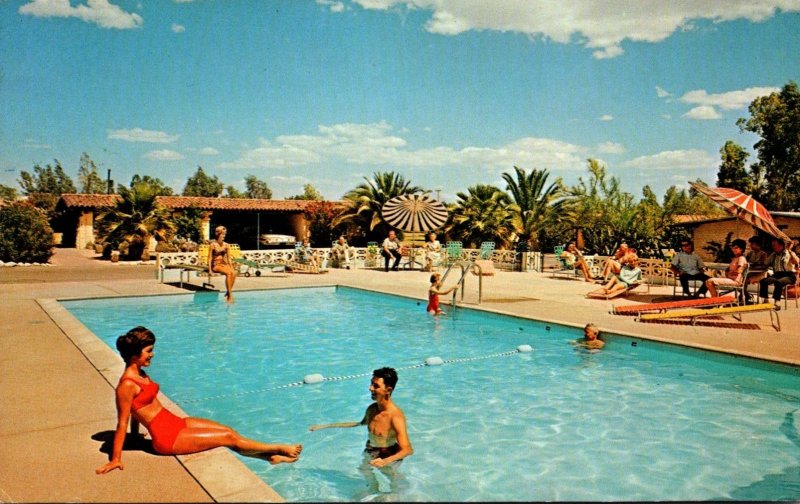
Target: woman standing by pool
{"x": 220, "y": 261}
{"x": 172, "y": 435}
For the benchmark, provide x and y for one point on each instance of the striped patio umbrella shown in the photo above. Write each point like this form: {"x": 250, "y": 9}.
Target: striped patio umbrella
{"x": 744, "y": 207}
{"x": 414, "y": 213}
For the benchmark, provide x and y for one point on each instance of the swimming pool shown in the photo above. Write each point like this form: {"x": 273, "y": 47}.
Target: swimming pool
{"x": 643, "y": 422}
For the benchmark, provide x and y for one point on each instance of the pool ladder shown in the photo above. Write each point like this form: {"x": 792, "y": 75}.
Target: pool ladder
{"x": 465, "y": 267}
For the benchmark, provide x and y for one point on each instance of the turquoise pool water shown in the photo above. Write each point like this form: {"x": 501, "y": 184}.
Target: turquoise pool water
{"x": 635, "y": 421}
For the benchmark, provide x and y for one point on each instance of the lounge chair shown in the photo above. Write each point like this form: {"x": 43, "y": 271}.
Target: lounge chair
{"x": 246, "y": 266}
{"x": 454, "y": 250}
{"x": 301, "y": 265}
{"x": 693, "y": 314}
{"x": 563, "y": 267}
{"x": 484, "y": 260}
{"x": 373, "y": 253}
{"x": 739, "y": 290}
{"x": 200, "y": 267}
{"x": 641, "y": 308}
{"x": 601, "y": 294}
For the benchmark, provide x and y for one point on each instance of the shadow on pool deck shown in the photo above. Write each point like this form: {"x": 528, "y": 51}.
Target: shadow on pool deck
{"x": 57, "y": 392}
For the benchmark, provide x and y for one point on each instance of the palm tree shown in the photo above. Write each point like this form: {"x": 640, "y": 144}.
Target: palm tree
{"x": 364, "y": 203}
{"x": 533, "y": 202}
{"x": 136, "y": 219}
{"x": 481, "y": 215}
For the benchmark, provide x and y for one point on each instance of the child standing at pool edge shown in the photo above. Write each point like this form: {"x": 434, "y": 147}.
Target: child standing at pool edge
{"x": 433, "y": 294}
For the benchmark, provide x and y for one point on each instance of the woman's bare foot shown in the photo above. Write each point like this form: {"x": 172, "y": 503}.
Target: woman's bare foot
{"x": 281, "y": 459}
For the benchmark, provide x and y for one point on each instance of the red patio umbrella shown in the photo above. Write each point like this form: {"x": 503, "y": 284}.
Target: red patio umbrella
{"x": 744, "y": 207}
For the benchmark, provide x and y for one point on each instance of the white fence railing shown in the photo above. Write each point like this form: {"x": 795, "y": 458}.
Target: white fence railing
{"x": 363, "y": 258}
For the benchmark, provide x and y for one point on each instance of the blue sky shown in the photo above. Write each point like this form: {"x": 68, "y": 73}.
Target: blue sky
{"x": 448, "y": 93}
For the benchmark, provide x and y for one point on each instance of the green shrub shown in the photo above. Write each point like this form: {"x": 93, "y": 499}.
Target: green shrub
{"x": 25, "y": 235}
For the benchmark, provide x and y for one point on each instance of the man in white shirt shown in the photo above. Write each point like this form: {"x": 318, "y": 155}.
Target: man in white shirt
{"x": 391, "y": 248}
{"x": 782, "y": 262}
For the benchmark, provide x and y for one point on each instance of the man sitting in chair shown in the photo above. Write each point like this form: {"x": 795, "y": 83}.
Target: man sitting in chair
{"x": 391, "y": 248}
{"x": 340, "y": 252}
{"x": 688, "y": 266}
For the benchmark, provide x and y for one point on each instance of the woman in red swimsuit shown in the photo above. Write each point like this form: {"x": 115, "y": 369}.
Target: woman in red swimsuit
{"x": 220, "y": 261}
{"x": 172, "y": 435}
{"x": 433, "y": 294}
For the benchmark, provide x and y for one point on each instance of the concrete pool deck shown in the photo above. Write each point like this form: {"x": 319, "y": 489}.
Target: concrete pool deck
{"x": 58, "y": 412}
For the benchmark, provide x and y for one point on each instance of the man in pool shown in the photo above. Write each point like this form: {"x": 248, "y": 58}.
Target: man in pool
{"x": 591, "y": 337}
{"x": 386, "y": 424}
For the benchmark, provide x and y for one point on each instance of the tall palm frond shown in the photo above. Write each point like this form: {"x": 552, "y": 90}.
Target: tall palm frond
{"x": 136, "y": 218}
{"x": 364, "y": 203}
{"x": 481, "y": 215}
{"x": 533, "y": 201}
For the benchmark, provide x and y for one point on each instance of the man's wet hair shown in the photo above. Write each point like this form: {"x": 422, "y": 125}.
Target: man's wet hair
{"x": 389, "y": 376}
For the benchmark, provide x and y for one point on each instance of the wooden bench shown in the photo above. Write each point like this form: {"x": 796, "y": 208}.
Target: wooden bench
{"x": 736, "y": 311}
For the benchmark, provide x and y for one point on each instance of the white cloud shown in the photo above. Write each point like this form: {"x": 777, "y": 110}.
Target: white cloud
{"x": 100, "y": 12}
{"x": 606, "y": 117}
{"x": 588, "y": 22}
{"x": 333, "y": 5}
{"x": 176, "y": 28}
{"x": 163, "y": 155}
{"x": 208, "y": 151}
{"x": 30, "y": 143}
{"x": 731, "y": 100}
{"x": 662, "y": 93}
{"x": 376, "y": 145}
{"x": 703, "y": 113}
{"x": 610, "y": 148}
{"x": 692, "y": 159}
{"x": 142, "y": 135}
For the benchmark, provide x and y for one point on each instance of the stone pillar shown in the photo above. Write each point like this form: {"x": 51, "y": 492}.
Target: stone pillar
{"x": 85, "y": 232}
{"x": 205, "y": 226}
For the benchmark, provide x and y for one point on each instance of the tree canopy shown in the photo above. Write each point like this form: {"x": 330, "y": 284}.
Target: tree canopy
{"x": 201, "y": 184}
{"x": 88, "y": 178}
{"x": 775, "y": 118}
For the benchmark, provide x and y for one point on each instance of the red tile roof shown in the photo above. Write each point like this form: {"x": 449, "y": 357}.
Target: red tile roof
{"x": 89, "y": 200}
{"x": 178, "y": 202}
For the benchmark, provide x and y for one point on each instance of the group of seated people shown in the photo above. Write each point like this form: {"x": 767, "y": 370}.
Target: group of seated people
{"x": 391, "y": 249}
{"x": 779, "y": 268}
{"x": 573, "y": 258}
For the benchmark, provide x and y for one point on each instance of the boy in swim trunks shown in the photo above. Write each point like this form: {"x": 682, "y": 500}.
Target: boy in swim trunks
{"x": 386, "y": 424}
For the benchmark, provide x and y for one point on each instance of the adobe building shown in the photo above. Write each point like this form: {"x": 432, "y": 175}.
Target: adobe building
{"x": 705, "y": 231}
{"x": 246, "y": 219}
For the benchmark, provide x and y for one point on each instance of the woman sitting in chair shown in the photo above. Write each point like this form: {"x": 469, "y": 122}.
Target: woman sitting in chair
{"x": 629, "y": 275}
{"x": 573, "y": 258}
{"x": 733, "y": 275}
{"x": 305, "y": 254}
{"x": 433, "y": 252}
{"x": 614, "y": 263}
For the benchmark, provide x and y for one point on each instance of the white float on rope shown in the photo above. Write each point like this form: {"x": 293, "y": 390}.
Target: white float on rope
{"x": 524, "y": 348}
{"x": 434, "y": 361}
{"x": 311, "y": 379}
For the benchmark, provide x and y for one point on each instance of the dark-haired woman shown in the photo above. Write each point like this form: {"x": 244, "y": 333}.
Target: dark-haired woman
{"x": 172, "y": 435}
